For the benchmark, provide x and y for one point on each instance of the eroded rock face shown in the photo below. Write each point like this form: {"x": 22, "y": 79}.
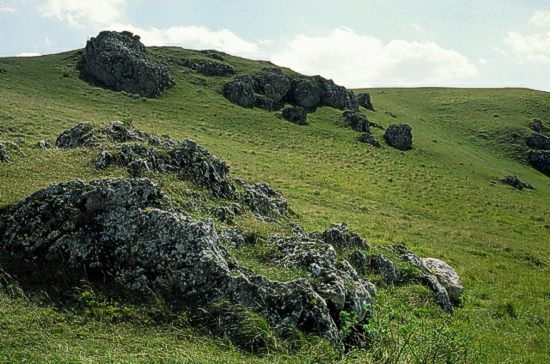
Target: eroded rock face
{"x": 516, "y": 183}
{"x": 274, "y": 86}
{"x": 447, "y": 276}
{"x": 305, "y": 93}
{"x": 538, "y": 141}
{"x": 124, "y": 231}
{"x": 240, "y": 91}
{"x": 399, "y": 136}
{"x": 336, "y": 96}
{"x": 295, "y": 114}
{"x": 365, "y": 101}
{"x": 341, "y": 236}
{"x": 540, "y": 159}
{"x": 120, "y": 61}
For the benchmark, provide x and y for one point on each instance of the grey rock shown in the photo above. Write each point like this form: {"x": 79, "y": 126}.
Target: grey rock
{"x": 121, "y": 62}
{"x": 336, "y": 96}
{"x": 368, "y": 138}
{"x": 306, "y": 93}
{"x": 263, "y": 102}
{"x": 515, "y": 182}
{"x": 447, "y": 276}
{"x": 295, "y": 114}
{"x": 385, "y": 267}
{"x": 274, "y": 85}
{"x": 104, "y": 160}
{"x": 538, "y": 141}
{"x": 540, "y": 159}
{"x": 21, "y": 140}
{"x": 231, "y": 237}
{"x": 264, "y": 200}
{"x": 399, "y": 136}
{"x": 209, "y": 68}
{"x": 365, "y": 101}
{"x": 228, "y": 213}
{"x": 240, "y": 91}
{"x": 81, "y": 135}
{"x": 356, "y": 121}
{"x": 341, "y": 236}
{"x": 42, "y": 144}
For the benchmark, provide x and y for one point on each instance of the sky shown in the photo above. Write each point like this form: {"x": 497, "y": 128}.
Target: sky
{"x": 358, "y": 43}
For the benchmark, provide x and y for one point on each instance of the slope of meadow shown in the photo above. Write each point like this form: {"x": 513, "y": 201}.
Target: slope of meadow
{"x": 439, "y": 199}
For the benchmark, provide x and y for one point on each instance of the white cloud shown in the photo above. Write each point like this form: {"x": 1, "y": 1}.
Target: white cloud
{"x": 79, "y": 13}
{"x": 193, "y": 37}
{"x": 530, "y": 48}
{"x": 7, "y": 9}
{"x": 482, "y": 61}
{"x": 357, "y": 60}
{"x": 28, "y": 54}
{"x": 541, "y": 18}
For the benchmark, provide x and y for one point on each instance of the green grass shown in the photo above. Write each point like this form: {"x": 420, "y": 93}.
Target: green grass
{"x": 438, "y": 199}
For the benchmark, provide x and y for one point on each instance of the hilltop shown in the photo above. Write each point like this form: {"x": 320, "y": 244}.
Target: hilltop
{"x": 441, "y": 199}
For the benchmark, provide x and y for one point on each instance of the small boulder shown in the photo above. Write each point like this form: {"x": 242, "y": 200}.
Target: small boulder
{"x": 447, "y": 276}
{"x": 42, "y": 144}
{"x": 356, "y": 121}
{"x": 538, "y": 141}
{"x": 540, "y": 159}
{"x": 399, "y": 136}
{"x": 121, "y": 62}
{"x": 516, "y": 183}
{"x": 295, "y": 114}
{"x": 365, "y": 101}
{"x": 240, "y": 91}
{"x": 368, "y": 138}
{"x": 4, "y": 156}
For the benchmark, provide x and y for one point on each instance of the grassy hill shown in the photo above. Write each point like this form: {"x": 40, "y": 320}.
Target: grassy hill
{"x": 440, "y": 199}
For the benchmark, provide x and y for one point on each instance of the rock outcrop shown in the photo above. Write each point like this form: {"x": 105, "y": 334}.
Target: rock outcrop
{"x": 356, "y": 121}
{"x": 540, "y": 159}
{"x": 515, "y": 182}
{"x": 121, "y": 62}
{"x": 240, "y": 91}
{"x": 538, "y": 141}
{"x": 365, "y": 101}
{"x": 399, "y": 136}
{"x": 208, "y": 68}
{"x": 295, "y": 114}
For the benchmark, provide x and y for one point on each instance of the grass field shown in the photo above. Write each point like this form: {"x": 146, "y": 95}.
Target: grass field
{"x": 440, "y": 199}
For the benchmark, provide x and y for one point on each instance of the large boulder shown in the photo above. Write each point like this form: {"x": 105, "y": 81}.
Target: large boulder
{"x": 240, "y": 91}
{"x": 124, "y": 232}
{"x": 365, "y": 101}
{"x": 447, "y": 276}
{"x": 540, "y": 159}
{"x": 273, "y": 85}
{"x": 306, "y": 93}
{"x": 120, "y": 61}
{"x": 336, "y": 96}
{"x": 399, "y": 136}
{"x": 538, "y": 141}
{"x": 295, "y": 114}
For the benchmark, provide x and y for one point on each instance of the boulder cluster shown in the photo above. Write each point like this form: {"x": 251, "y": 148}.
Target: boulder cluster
{"x": 539, "y": 142}
{"x": 121, "y": 62}
{"x": 129, "y": 233}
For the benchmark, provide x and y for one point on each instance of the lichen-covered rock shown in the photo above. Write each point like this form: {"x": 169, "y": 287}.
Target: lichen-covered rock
{"x": 341, "y": 236}
{"x": 538, "y": 141}
{"x": 336, "y": 96}
{"x": 231, "y": 237}
{"x": 240, "y": 91}
{"x": 120, "y": 61}
{"x": 81, "y": 135}
{"x": 516, "y": 183}
{"x": 125, "y": 232}
{"x": 447, "y": 276}
{"x": 356, "y": 121}
{"x": 385, "y": 267}
{"x": 540, "y": 159}
{"x": 264, "y": 200}
{"x": 209, "y": 68}
{"x": 368, "y": 138}
{"x": 227, "y": 213}
{"x": 295, "y": 114}
{"x": 399, "y": 136}
{"x": 306, "y": 93}
{"x": 365, "y": 101}
{"x": 4, "y": 155}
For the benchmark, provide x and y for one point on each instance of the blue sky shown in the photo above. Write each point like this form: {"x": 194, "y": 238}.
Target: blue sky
{"x": 359, "y": 43}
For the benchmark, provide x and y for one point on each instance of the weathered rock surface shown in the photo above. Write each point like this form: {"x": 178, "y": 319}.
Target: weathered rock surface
{"x": 515, "y": 182}
{"x": 336, "y": 96}
{"x": 124, "y": 231}
{"x": 273, "y": 85}
{"x": 540, "y": 159}
{"x": 399, "y": 136}
{"x": 538, "y": 141}
{"x": 209, "y": 68}
{"x": 264, "y": 200}
{"x": 121, "y": 62}
{"x": 341, "y": 236}
{"x": 356, "y": 121}
{"x": 240, "y": 91}
{"x": 42, "y": 144}
{"x": 365, "y": 101}
{"x": 295, "y": 114}
{"x": 305, "y": 93}
{"x": 447, "y": 276}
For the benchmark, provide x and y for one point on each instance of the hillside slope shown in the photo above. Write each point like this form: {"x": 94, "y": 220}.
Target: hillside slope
{"x": 438, "y": 199}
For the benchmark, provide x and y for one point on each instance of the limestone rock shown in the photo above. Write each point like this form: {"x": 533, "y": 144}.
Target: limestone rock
{"x": 368, "y": 138}
{"x": 538, "y": 141}
{"x": 295, "y": 114}
{"x": 4, "y": 155}
{"x": 447, "y": 276}
{"x": 341, "y": 236}
{"x": 208, "y": 68}
{"x": 399, "y": 136}
{"x": 120, "y": 61}
{"x": 240, "y": 91}
{"x": 540, "y": 159}
{"x": 356, "y": 121}
{"x": 516, "y": 183}
{"x": 365, "y": 101}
